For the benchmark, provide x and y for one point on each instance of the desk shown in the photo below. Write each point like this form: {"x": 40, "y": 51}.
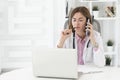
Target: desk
{"x": 109, "y": 73}
{"x": 22, "y": 74}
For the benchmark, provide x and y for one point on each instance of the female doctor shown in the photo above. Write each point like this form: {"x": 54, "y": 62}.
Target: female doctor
{"x": 88, "y": 42}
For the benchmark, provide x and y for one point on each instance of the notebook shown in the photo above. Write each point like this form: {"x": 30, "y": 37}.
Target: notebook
{"x": 55, "y": 62}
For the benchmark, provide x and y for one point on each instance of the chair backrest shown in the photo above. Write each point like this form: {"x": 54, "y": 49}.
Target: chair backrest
{"x": 96, "y": 25}
{"x": 66, "y": 24}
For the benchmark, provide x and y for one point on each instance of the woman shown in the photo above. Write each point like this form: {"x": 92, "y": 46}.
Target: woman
{"x": 89, "y": 46}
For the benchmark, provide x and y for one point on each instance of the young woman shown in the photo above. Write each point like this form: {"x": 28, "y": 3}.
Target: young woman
{"x": 89, "y": 46}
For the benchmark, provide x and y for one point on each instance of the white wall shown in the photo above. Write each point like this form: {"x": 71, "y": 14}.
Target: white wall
{"x": 59, "y": 19}
{"x": 59, "y": 16}
{"x": 25, "y": 23}
{"x": 28, "y": 23}
{"x": 3, "y": 26}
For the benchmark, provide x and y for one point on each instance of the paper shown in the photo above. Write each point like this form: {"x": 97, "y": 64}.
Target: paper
{"x": 88, "y": 69}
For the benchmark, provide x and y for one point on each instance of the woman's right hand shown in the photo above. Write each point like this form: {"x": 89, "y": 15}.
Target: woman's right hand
{"x": 66, "y": 33}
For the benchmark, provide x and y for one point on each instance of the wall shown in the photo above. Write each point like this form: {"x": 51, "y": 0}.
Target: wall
{"x": 29, "y": 23}
{"x": 59, "y": 19}
{"x": 3, "y": 27}
{"x": 26, "y": 23}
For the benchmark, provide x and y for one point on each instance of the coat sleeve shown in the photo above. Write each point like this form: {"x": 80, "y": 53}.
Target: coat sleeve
{"x": 98, "y": 57}
{"x": 68, "y": 43}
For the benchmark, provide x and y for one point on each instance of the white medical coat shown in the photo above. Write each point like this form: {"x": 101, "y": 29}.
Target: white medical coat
{"x": 90, "y": 56}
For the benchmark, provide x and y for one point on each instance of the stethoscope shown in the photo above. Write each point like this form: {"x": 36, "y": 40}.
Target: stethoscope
{"x": 88, "y": 43}
{"x": 87, "y": 33}
{"x": 74, "y": 40}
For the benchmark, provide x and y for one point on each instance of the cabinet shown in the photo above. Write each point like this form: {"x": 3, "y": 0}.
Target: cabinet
{"x": 108, "y": 19}
{"x": 102, "y": 6}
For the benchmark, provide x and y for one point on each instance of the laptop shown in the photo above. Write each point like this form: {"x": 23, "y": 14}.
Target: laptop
{"x": 54, "y": 62}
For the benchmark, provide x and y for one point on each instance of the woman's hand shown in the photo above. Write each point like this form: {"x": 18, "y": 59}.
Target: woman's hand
{"x": 90, "y": 29}
{"x": 91, "y": 36}
{"x": 64, "y": 35}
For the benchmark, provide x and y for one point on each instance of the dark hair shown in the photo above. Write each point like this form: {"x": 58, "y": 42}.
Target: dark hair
{"x": 83, "y": 10}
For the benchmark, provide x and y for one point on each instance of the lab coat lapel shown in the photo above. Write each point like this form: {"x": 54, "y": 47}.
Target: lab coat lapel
{"x": 85, "y": 51}
{"x": 71, "y": 40}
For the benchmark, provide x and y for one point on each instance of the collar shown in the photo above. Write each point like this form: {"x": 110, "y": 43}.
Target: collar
{"x": 79, "y": 38}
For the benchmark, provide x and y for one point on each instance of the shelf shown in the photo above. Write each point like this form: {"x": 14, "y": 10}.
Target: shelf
{"x": 102, "y": 6}
{"x": 98, "y": 1}
{"x": 105, "y": 18}
{"x": 109, "y": 53}
{"x": 106, "y": 7}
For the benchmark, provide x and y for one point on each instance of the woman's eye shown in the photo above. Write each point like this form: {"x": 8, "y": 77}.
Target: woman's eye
{"x": 80, "y": 20}
{"x": 74, "y": 20}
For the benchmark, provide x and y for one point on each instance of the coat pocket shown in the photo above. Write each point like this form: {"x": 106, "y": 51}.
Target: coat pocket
{"x": 89, "y": 55}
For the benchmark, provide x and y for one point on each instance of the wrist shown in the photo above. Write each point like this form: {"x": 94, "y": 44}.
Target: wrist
{"x": 61, "y": 42}
{"x": 95, "y": 45}
{"x": 63, "y": 38}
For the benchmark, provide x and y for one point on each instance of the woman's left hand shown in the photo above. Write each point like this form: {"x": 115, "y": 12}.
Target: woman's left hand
{"x": 91, "y": 36}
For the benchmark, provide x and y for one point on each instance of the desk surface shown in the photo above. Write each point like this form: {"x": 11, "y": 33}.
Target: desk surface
{"x": 109, "y": 73}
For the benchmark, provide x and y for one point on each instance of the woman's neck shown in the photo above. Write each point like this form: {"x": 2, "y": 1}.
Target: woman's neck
{"x": 81, "y": 35}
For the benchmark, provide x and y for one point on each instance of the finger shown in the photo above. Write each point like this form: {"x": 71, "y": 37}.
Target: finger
{"x": 89, "y": 24}
{"x": 68, "y": 31}
{"x": 62, "y": 32}
{"x": 88, "y": 27}
{"x": 65, "y": 30}
{"x": 88, "y": 30}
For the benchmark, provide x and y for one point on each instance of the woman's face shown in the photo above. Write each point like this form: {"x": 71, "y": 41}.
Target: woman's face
{"x": 79, "y": 22}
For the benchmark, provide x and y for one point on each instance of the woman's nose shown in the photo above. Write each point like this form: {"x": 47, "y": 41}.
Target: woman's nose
{"x": 77, "y": 22}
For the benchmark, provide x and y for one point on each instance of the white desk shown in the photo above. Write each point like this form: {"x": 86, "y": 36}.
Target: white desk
{"x": 109, "y": 73}
{"x": 22, "y": 74}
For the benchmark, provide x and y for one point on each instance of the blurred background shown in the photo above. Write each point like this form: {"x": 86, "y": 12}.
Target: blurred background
{"x": 28, "y": 23}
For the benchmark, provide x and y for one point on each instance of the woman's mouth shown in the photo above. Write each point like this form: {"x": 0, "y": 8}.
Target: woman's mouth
{"x": 76, "y": 27}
